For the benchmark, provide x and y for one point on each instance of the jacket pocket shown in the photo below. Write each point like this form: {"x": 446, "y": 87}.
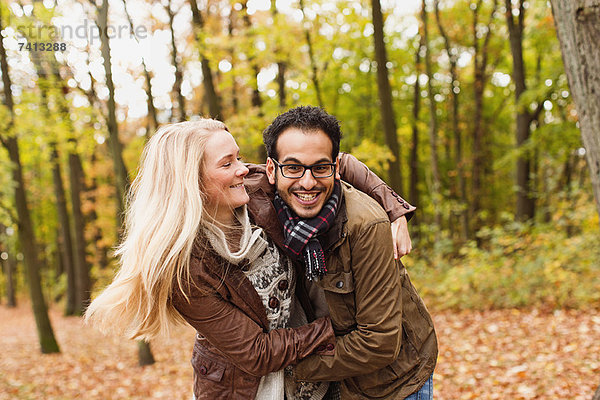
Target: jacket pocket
{"x": 387, "y": 380}
{"x": 207, "y": 367}
{"x": 339, "y": 294}
{"x": 417, "y": 324}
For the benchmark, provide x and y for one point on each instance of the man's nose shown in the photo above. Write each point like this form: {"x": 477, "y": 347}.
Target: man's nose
{"x": 308, "y": 181}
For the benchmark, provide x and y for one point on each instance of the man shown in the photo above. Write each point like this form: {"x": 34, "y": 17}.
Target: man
{"x": 386, "y": 345}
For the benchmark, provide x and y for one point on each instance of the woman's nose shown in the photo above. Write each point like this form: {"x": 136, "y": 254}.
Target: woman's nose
{"x": 242, "y": 170}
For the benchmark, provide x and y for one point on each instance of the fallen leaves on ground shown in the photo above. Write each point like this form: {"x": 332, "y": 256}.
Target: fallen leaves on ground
{"x": 504, "y": 354}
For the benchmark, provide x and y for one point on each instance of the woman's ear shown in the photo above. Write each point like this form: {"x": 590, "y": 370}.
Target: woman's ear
{"x": 271, "y": 170}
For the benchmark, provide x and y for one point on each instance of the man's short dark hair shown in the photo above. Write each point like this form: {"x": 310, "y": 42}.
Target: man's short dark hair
{"x": 308, "y": 119}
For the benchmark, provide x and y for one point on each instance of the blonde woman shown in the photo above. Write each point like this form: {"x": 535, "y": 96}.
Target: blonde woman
{"x": 190, "y": 254}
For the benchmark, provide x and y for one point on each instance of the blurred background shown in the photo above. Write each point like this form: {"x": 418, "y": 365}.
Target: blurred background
{"x": 463, "y": 106}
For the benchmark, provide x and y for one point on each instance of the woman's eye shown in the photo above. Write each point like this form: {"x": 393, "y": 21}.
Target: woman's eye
{"x": 227, "y": 164}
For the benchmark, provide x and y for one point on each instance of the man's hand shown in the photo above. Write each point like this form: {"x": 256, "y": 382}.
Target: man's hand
{"x": 401, "y": 237}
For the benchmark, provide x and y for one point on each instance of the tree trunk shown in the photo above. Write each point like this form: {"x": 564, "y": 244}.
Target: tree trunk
{"x": 433, "y": 130}
{"x": 481, "y": 154}
{"x": 121, "y": 178}
{"x": 9, "y": 264}
{"x": 459, "y": 187}
{"x": 281, "y": 65}
{"x": 78, "y": 286}
{"x": 145, "y": 356}
{"x": 10, "y": 267}
{"x": 232, "y": 55}
{"x": 27, "y": 239}
{"x": 64, "y": 227}
{"x": 214, "y": 107}
{"x": 385, "y": 99}
{"x": 578, "y": 26}
{"x": 414, "y": 153}
{"x": 313, "y": 62}
{"x": 178, "y": 72}
{"x": 525, "y": 201}
{"x": 150, "y": 98}
{"x": 82, "y": 269}
{"x": 597, "y": 394}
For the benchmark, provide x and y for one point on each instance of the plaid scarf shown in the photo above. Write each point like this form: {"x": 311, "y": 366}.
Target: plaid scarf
{"x": 300, "y": 235}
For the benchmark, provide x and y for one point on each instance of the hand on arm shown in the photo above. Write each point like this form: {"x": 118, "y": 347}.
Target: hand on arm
{"x": 244, "y": 341}
{"x": 401, "y": 237}
{"x": 362, "y": 178}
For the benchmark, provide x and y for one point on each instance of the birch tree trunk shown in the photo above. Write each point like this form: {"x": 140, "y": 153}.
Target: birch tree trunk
{"x": 578, "y": 26}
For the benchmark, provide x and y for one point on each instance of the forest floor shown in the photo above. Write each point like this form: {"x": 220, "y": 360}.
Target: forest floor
{"x": 503, "y": 354}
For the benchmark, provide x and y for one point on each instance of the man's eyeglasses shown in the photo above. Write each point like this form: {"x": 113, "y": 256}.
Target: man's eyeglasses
{"x": 296, "y": 171}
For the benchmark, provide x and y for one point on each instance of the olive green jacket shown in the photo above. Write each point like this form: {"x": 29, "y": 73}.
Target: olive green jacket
{"x": 386, "y": 345}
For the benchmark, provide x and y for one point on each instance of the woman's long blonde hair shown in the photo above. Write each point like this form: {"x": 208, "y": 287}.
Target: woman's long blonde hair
{"x": 164, "y": 211}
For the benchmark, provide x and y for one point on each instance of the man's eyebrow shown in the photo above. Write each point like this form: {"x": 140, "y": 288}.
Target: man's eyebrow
{"x": 292, "y": 160}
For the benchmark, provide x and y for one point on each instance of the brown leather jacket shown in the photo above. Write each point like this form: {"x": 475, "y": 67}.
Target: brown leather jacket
{"x": 234, "y": 347}
{"x": 386, "y": 343}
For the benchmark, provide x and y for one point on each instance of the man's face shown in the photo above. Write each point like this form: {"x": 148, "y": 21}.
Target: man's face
{"x": 307, "y": 195}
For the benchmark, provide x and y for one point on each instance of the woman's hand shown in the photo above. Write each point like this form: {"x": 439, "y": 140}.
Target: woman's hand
{"x": 401, "y": 237}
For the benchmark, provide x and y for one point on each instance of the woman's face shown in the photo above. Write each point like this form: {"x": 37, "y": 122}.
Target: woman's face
{"x": 223, "y": 178}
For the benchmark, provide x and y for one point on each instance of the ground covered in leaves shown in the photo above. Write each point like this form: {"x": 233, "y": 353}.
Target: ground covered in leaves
{"x": 506, "y": 354}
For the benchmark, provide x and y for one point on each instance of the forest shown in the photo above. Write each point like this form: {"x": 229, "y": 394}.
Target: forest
{"x": 482, "y": 113}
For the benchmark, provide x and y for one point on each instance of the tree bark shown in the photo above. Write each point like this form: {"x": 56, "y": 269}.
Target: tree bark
{"x": 281, "y": 64}
{"x": 480, "y": 149}
{"x": 525, "y": 201}
{"x": 82, "y": 269}
{"x": 433, "y": 130}
{"x": 9, "y": 264}
{"x": 145, "y": 356}
{"x": 460, "y": 186}
{"x": 121, "y": 178}
{"x": 27, "y": 238}
{"x": 414, "y": 150}
{"x": 148, "y": 89}
{"x": 214, "y": 106}
{"x": 78, "y": 285}
{"x": 256, "y": 99}
{"x": 175, "y": 60}
{"x": 578, "y": 26}
{"x": 64, "y": 225}
{"x": 314, "y": 77}
{"x": 388, "y": 117}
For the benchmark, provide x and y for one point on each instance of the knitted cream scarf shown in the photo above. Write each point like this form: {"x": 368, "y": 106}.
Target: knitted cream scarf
{"x": 252, "y": 243}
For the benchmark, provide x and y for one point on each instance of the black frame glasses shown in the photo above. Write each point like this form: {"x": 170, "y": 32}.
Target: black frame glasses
{"x": 304, "y": 168}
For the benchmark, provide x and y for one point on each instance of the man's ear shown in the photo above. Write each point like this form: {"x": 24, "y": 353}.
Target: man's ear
{"x": 271, "y": 171}
{"x": 337, "y": 168}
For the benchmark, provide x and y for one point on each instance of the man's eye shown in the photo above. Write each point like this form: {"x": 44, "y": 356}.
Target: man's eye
{"x": 321, "y": 168}
{"x": 294, "y": 168}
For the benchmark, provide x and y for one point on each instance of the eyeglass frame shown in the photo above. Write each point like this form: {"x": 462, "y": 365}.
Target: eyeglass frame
{"x": 305, "y": 167}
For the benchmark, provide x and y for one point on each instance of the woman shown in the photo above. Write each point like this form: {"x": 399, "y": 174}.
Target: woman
{"x": 190, "y": 254}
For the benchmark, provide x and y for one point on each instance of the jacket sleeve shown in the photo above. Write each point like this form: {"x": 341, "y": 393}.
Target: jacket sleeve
{"x": 361, "y": 177}
{"x": 377, "y": 338}
{"x": 239, "y": 338}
